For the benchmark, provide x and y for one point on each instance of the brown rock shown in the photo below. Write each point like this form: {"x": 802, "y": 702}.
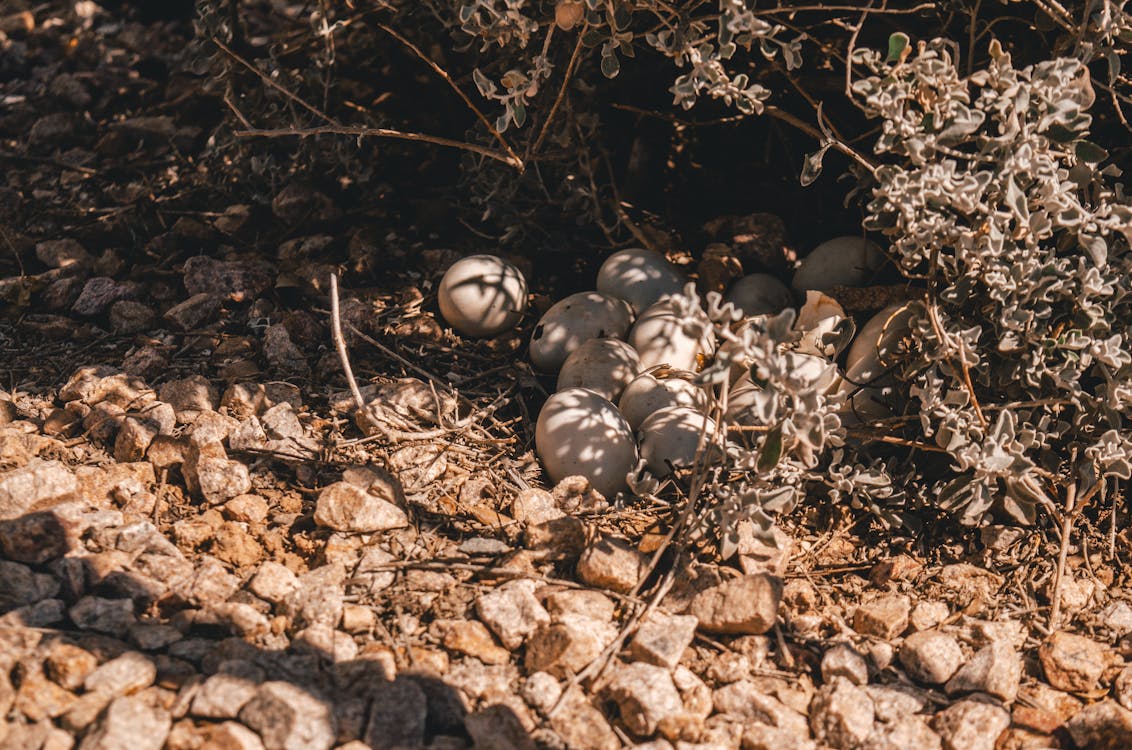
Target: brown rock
{"x": 1102, "y": 726}
{"x": 662, "y": 639}
{"x": 512, "y": 612}
{"x": 995, "y": 669}
{"x": 970, "y": 725}
{"x": 741, "y": 606}
{"x": 567, "y": 645}
{"x": 930, "y": 656}
{"x": 841, "y": 714}
{"x": 497, "y": 726}
{"x": 474, "y": 639}
{"x": 612, "y": 564}
{"x": 644, "y": 695}
{"x": 343, "y": 506}
{"x": 885, "y": 617}
{"x": 1073, "y": 662}
{"x": 234, "y": 545}
{"x": 194, "y": 312}
{"x": 36, "y": 538}
{"x": 68, "y": 665}
{"x": 37, "y": 485}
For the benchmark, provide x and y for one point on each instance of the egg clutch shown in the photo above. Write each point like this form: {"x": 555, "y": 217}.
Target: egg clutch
{"x": 626, "y": 357}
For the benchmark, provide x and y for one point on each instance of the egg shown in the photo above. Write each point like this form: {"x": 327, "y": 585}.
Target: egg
{"x": 574, "y": 320}
{"x": 580, "y": 433}
{"x": 842, "y": 261}
{"x": 672, "y": 436}
{"x": 482, "y": 295}
{"x": 868, "y": 386}
{"x": 760, "y": 294}
{"x": 649, "y": 393}
{"x": 640, "y": 277}
{"x": 663, "y": 335}
{"x": 745, "y": 404}
{"x": 605, "y": 366}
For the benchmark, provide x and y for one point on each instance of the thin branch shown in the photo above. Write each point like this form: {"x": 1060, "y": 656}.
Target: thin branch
{"x": 517, "y": 162}
{"x": 340, "y": 344}
{"x": 278, "y": 87}
{"x": 558, "y": 100}
{"x": 366, "y": 132}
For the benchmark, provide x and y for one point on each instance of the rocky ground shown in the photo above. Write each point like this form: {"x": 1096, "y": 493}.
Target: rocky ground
{"x": 200, "y": 549}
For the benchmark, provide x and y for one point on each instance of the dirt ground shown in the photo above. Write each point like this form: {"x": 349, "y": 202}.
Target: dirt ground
{"x": 199, "y": 548}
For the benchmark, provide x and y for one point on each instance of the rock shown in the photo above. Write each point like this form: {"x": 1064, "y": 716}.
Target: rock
{"x": 661, "y": 639}
{"x": 288, "y": 717}
{"x": 927, "y": 615}
{"x": 345, "y": 507}
{"x": 1043, "y": 709}
{"x": 397, "y": 716}
{"x": 644, "y": 695}
{"x": 326, "y": 643}
{"x": 37, "y": 485}
{"x": 317, "y": 598}
{"x": 194, "y": 312}
{"x": 581, "y": 725}
{"x": 231, "y": 736}
{"x": 970, "y": 725}
{"x": 1073, "y": 662}
{"x": 23, "y": 586}
{"x": 885, "y": 617}
{"x": 747, "y": 701}
{"x": 233, "y": 544}
{"x": 745, "y": 605}
{"x": 512, "y": 612}
{"x": 129, "y": 722}
{"x": 36, "y": 538}
{"x": 844, "y": 661}
{"x": 892, "y": 702}
{"x": 759, "y": 736}
{"x": 758, "y": 556}
{"x": 930, "y": 656}
{"x": 471, "y": 637}
{"x": 541, "y": 691}
{"x": 236, "y": 280}
{"x": 841, "y": 715}
{"x": 612, "y": 564}
{"x": 499, "y": 728}
{"x": 220, "y": 479}
{"x": 273, "y": 582}
{"x": 995, "y": 669}
{"x": 63, "y": 253}
{"x": 100, "y": 292}
{"x": 128, "y": 673}
{"x": 111, "y": 616}
{"x": 567, "y": 645}
{"x": 224, "y": 694}
{"x": 250, "y": 509}
{"x": 37, "y": 697}
{"x": 281, "y": 352}
{"x": 581, "y": 602}
{"x": 68, "y": 665}
{"x": 128, "y": 316}
{"x": 905, "y": 733}
{"x": 1101, "y": 726}
{"x": 154, "y": 636}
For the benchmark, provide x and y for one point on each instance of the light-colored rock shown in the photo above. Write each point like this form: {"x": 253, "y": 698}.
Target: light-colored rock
{"x": 39, "y": 484}
{"x": 841, "y": 715}
{"x": 905, "y": 733}
{"x": 995, "y": 669}
{"x": 288, "y": 717}
{"x": 512, "y": 612}
{"x": 567, "y": 645}
{"x": 891, "y": 702}
{"x": 273, "y": 582}
{"x": 68, "y": 665}
{"x": 472, "y": 637}
{"x": 541, "y": 691}
{"x": 885, "y": 617}
{"x": 317, "y": 598}
{"x": 927, "y": 615}
{"x": 128, "y": 673}
{"x": 343, "y": 506}
{"x": 1103, "y": 725}
{"x": 644, "y": 695}
{"x": 222, "y": 695}
{"x": 661, "y": 639}
{"x": 970, "y": 725}
{"x": 325, "y": 642}
{"x": 844, "y": 661}
{"x": 1073, "y": 662}
{"x": 931, "y": 656}
{"x": 747, "y": 701}
{"x": 129, "y": 722}
{"x": 613, "y": 564}
{"x": 581, "y": 602}
{"x": 745, "y": 605}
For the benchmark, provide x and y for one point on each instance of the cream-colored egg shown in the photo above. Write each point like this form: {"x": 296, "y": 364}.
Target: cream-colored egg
{"x": 482, "y": 295}
{"x": 572, "y": 321}
{"x": 672, "y": 436}
{"x": 638, "y": 276}
{"x": 605, "y": 366}
{"x": 649, "y": 393}
{"x": 760, "y": 294}
{"x": 664, "y": 336}
{"x": 580, "y": 433}
{"x": 868, "y": 386}
{"x": 842, "y": 261}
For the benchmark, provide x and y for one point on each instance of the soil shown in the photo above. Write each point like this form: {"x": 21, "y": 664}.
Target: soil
{"x": 169, "y": 362}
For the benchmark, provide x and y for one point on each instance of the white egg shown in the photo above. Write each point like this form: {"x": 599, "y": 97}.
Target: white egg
{"x": 649, "y": 393}
{"x": 664, "y": 336}
{"x": 482, "y": 295}
{"x": 574, "y": 320}
{"x": 605, "y": 366}
{"x": 823, "y": 325}
{"x": 868, "y": 385}
{"x": 760, "y": 294}
{"x": 581, "y": 433}
{"x": 638, "y": 276}
{"x": 672, "y": 436}
{"x": 744, "y": 404}
{"x": 842, "y": 261}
